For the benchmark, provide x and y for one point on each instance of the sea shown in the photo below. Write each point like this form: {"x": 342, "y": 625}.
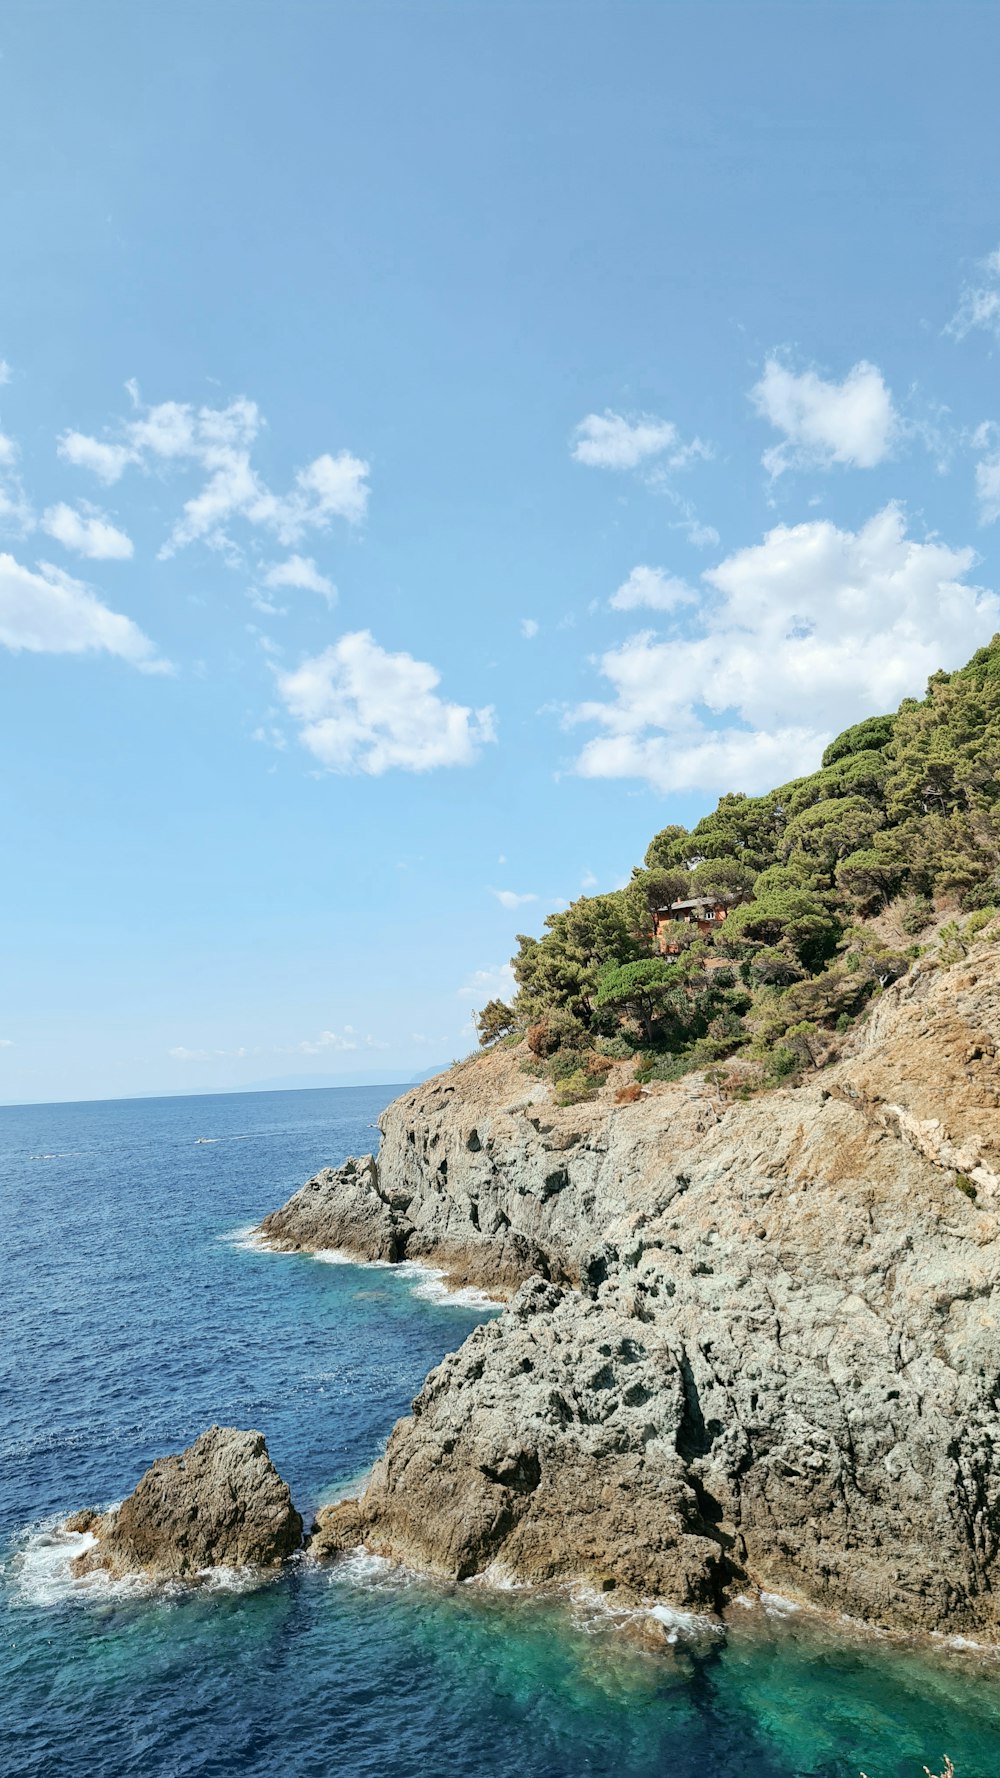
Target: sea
{"x": 136, "y": 1311}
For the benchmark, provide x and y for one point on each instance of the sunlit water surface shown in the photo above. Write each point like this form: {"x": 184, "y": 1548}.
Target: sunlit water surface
{"x": 135, "y": 1314}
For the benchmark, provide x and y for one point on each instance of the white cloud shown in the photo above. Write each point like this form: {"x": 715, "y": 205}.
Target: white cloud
{"x": 88, "y": 532}
{"x": 988, "y": 489}
{"x": 488, "y": 984}
{"x": 5, "y": 371}
{"x": 616, "y": 441}
{"x": 365, "y": 710}
{"x": 218, "y": 442}
{"x": 300, "y": 571}
{"x": 800, "y": 635}
{"x": 180, "y": 1054}
{"x": 588, "y": 880}
{"x": 529, "y": 628}
{"x": 107, "y": 461}
{"x": 16, "y": 515}
{"x": 48, "y": 612}
{"x": 986, "y": 438}
{"x": 6, "y": 1043}
{"x": 979, "y": 305}
{"x": 853, "y": 422}
{"x": 347, "y": 1039}
{"x": 654, "y": 589}
{"x": 508, "y": 898}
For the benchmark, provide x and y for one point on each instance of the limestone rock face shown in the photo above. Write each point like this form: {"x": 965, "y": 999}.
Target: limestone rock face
{"x": 764, "y": 1347}
{"x": 220, "y": 1503}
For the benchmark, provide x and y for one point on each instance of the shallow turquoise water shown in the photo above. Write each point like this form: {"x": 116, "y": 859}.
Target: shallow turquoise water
{"x": 133, "y": 1317}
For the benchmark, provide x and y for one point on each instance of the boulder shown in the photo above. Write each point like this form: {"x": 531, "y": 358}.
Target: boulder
{"x": 219, "y": 1504}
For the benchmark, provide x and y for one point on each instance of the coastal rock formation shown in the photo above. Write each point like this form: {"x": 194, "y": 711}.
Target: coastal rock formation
{"x": 764, "y": 1348}
{"x": 341, "y": 1208}
{"x": 220, "y": 1503}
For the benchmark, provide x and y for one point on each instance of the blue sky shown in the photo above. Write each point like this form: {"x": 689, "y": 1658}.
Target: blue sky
{"x": 441, "y": 445}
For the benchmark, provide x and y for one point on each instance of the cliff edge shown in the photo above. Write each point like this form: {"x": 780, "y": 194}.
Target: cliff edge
{"x": 752, "y": 1344}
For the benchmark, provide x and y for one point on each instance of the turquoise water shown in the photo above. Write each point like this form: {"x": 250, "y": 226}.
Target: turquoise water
{"x": 134, "y": 1315}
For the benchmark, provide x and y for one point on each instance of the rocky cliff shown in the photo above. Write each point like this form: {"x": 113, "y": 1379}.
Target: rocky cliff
{"x": 755, "y": 1345}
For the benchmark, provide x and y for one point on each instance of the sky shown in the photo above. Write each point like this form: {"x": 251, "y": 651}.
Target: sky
{"x": 441, "y": 444}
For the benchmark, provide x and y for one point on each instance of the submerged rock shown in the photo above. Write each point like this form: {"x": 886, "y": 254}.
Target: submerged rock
{"x": 219, "y": 1504}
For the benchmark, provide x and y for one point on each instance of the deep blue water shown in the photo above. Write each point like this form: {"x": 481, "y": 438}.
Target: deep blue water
{"x": 132, "y": 1318}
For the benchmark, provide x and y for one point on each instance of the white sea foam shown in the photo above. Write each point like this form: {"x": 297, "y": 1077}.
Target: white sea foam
{"x": 41, "y": 1573}
{"x": 41, "y": 1569}
{"x": 332, "y": 1256}
{"x": 360, "y": 1568}
{"x": 425, "y": 1281}
{"x": 429, "y": 1283}
{"x": 245, "y": 1239}
{"x": 683, "y": 1625}
{"x": 594, "y": 1610}
{"x": 776, "y": 1605}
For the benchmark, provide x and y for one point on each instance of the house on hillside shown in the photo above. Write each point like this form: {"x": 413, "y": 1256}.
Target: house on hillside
{"x": 707, "y": 912}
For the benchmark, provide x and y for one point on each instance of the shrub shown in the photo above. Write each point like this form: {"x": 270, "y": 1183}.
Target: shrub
{"x": 575, "y": 1087}
{"x": 628, "y": 1095}
{"x": 917, "y": 915}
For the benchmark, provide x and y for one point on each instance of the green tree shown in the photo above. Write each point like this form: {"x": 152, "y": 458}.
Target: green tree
{"x": 667, "y": 849}
{"x": 873, "y": 733}
{"x": 561, "y": 969}
{"x": 638, "y": 989}
{"x": 496, "y": 1020}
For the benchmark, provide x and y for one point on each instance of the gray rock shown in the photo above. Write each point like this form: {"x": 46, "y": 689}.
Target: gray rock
{"x": 341, "y": 1208}
{"x": 771, "y": 1356}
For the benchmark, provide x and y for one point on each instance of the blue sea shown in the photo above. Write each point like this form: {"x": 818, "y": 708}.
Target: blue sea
{"x": 135, "y": 1313}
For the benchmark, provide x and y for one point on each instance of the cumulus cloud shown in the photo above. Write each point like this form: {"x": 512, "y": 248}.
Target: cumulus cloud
{"x": 853, "y": 423}
{"x": 654, "y": 589}
{"x": 6, "y": 1043}
{"x": 529, "y": 628}
{"x": 5, "y": 371}
{"x": 88, "y": 532}
{"x": 798, "y": 636}
{"x": 508, "y": 898}
{"x": 218, "y": 442}
{"x": 300, "y": 572}
{"x": 620, "y": 441}
{"x": 48, "y": 612}
{"x": 107, "y": 461}
{"x": 979, "y": 306}
{"x": 362, "y": 709}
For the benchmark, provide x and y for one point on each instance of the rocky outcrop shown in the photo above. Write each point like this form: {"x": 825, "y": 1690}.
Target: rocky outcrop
{"x": 220, "y": 1503}
{"x": 764, "y": 1348}
{"x": 341, "y": 1208}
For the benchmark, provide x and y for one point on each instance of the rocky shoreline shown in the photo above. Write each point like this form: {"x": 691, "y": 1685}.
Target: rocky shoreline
{"x": 751, "y": 1345}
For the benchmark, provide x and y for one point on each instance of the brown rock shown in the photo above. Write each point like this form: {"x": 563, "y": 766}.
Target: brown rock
{"x": 220, "y": 1503}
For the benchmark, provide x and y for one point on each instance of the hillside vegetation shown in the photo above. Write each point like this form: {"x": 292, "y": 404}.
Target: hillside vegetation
{"x": 834, "y": 879}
